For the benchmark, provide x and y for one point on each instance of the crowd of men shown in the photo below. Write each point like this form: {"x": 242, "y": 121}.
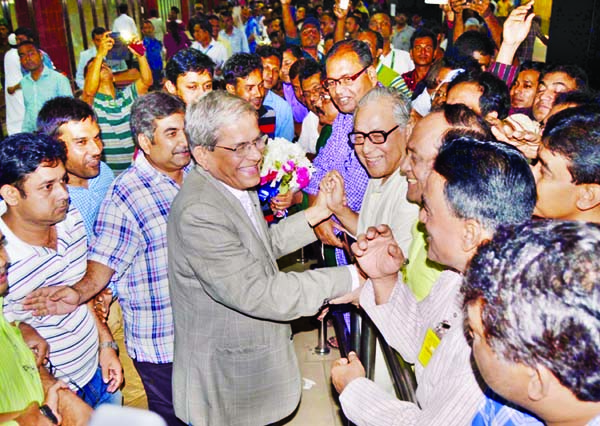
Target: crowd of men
{"x": 468, "y": 175}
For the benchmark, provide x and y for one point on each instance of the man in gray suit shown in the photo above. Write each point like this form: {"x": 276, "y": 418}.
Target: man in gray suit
{"x": 234, "y": 356}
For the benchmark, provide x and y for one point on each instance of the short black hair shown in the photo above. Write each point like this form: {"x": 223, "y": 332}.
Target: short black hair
{"x": 240, "y": 65}
{"x": 495, "y": 95}
{"x": 310, "y": 68}
{"x": 574, "y": 133}
{"x": 488, "y": 181}
{"x": 423, "y": 33}
{"x": 294, "y": 50}
{"x": 123, "y": 8}
{"x": 265, "y": 51}
{"x": 203, "y": 23}
{"x": 153, "y": 13}
{"x": 60, "y": 110}
{"x": 187, "y": 60}
{"x": 27, "y": 32}
{"x": 360, "y": 48}
{"x": 470, "y": 42}
{"x": 98, "y": 31}
{"x": 537, "y": 283}
{"x": 573, "y": 71}
{"x": 22, "y": 153}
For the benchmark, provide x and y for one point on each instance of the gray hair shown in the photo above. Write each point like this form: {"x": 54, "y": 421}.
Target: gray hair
{"x": 149, "y": 108}
{"x": 212, "y": 112}
{"x": 400, "y": 104}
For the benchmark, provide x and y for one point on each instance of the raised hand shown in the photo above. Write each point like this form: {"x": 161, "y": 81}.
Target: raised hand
{"x": 521, "y": 132}
{"x": 57, "y": 300}
{"x": 479, "y": 6}
{"x": 518, "y": 24}
{"x": 458, "y": 5}
{"x": 377, "y": 253}
{"x": 333, "y": 186}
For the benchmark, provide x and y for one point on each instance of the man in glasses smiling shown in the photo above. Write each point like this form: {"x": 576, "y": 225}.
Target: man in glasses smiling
{"x": 350, "y": 75}
{"x": 234, "y": 357}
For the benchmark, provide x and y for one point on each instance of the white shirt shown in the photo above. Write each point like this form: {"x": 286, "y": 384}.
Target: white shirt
{"x": 15, "y": 105}
{"x": 398, "y": 60}
{"x": 309, "y": 133}
{"x": 125, "y": 25}
{"x": 215, "y": 51}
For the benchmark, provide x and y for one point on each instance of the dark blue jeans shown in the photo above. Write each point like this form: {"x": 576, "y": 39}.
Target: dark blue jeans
{"x": 95, "y": 392}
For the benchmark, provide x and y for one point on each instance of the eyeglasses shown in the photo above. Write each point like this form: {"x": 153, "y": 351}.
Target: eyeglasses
{"x": 316, "y": 94}
{"x": 242, "y": 149}
{"x": 330, "y": 83}
{"x": 376, "y": 136}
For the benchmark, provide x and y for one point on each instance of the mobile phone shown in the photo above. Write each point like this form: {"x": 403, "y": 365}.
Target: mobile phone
{"x": 138, "y": 48}
{"x": 119, "y": 50}
{"x": 344, "y": 4}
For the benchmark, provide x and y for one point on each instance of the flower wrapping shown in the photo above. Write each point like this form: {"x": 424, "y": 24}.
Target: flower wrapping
{"x": 284, "y": 168}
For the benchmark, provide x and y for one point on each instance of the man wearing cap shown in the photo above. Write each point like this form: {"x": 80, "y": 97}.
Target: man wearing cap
{"x": 310, "y": 33}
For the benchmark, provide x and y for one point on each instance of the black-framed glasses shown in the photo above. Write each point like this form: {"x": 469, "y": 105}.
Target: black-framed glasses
{"x": 244, "y": 148}
{"x": 330, "y": 83}
{"x": 376, "y": 136}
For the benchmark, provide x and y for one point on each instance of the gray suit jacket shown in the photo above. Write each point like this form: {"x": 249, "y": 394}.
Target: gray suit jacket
{"x": 234, "y": 358}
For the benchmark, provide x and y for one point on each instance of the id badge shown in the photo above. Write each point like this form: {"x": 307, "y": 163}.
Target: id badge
{"x": 430, "y": 343}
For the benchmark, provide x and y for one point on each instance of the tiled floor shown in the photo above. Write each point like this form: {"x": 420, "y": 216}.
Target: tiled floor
{"x": 319, "y": 406}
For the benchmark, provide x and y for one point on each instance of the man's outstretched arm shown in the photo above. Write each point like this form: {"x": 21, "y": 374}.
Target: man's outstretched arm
{"x": 60, "y": 300}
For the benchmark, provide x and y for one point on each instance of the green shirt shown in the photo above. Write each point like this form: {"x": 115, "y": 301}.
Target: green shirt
{"x": 113, "y": 119}
{"x": 421, "y": 273}
{"x": 20, "y": 382}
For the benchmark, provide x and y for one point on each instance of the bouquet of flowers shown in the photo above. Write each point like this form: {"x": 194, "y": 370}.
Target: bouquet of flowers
{"x": 284, "y": 168}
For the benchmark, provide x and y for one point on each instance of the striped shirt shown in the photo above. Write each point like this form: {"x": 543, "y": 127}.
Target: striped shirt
{"x": 131, "y": 239}
{"x": 73, "y": 338}
{"x": 113, "y": 119}
{"x": 447, "y": 391}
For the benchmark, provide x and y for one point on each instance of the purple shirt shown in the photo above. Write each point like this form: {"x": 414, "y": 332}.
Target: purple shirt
{"x": 339, "y": 155}
{"x": 299, "y": 111}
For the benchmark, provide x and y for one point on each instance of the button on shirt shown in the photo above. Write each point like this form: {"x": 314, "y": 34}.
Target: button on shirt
{"x": 35, "y": 94}
{"x": 131, "y": 239}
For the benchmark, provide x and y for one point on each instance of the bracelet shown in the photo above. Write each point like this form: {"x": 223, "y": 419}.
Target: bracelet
{"x": 47, "y": 412}
{"x": 112, "y": 344}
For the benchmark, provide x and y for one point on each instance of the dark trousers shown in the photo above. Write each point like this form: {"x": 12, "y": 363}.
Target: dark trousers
{"x": 157, "y": 383}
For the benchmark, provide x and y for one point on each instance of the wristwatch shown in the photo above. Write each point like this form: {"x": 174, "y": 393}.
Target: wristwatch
{"x": 47, "y": 412}
{"x": 111, "y": 344}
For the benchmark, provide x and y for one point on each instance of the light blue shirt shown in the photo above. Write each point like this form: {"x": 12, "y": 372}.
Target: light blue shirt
{"x": 84, "y": 58}
{"x": 88, "y": 200}
{"x": 237, "y": 40}
{"x": 284, "y": 121}
{"x": 35, "y": 93}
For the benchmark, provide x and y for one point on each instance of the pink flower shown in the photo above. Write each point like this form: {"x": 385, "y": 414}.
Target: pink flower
{"x": 288, "y": 166}
{"x": 302, "y": 177}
